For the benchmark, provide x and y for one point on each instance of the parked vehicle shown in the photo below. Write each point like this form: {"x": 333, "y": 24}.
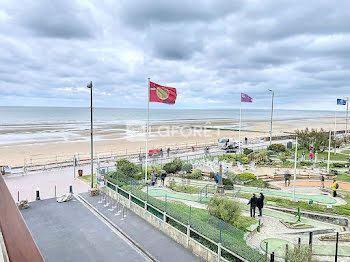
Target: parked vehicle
{"x": 227, "y": 143}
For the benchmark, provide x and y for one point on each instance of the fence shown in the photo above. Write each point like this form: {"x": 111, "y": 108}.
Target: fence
{"x": 215, "y": 234}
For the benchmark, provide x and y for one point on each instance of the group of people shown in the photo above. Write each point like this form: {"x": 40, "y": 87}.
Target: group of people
{"x": 155, "y": 177}
{"x": 311, "y": 155}
{"x": 254, "y": 203}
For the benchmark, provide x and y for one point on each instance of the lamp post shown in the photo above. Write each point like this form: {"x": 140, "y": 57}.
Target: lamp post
{"x": 273, "y": 94}
{"x": 92, "y": 138}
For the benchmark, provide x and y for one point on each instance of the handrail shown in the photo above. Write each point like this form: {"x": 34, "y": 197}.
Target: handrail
{"x": 19, "y": 243}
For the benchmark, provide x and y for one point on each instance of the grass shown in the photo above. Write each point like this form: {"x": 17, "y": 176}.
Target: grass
{"x": 343, "y": 177}
{"x": 184, "y": 189}
{"x": 346, "y": 151}
{"x": 87, "y": 179}
{"x": 337, "y": 157}
{"x": 338, "y": 210}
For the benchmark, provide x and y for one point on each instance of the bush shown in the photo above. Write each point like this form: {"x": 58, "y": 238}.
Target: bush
{"x": 169, "y": 168}
{"x": 245, "y": 176}
{"x": 177, "y": 163}
{"x": 247, "y": 151}
{"x": 244, "y": 160}
{"x": 211, "y": 174}
{"x": 127, "y": 168}
{"x": 337, "y": 164}
{"x": 259, "y": 158}
{"x": 187, "y": 167}
{"x": 225, "y": 209}
{"x": 196, "y": 174}
{"x": 277, "y": 148}
{"x": 227, "y": 182}
{"x": 305, "y": 163}
{"x": 269, "y": 152}
{"x": 300, "y": 254}
{"x": 174, "y": 166}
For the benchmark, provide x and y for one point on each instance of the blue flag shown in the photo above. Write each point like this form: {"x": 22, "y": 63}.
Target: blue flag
{"x": 341, "y": 102}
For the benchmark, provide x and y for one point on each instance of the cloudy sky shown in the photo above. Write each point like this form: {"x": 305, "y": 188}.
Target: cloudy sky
{"x": 210, "y": 50}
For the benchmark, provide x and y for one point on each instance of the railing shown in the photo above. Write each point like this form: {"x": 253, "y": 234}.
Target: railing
{"x": 19, "y": 243}
{"x": 211, "y": 232}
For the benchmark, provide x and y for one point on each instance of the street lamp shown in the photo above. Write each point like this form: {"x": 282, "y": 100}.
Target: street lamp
{"x": 92, "y": 138}
{"x": 273, "y": 94}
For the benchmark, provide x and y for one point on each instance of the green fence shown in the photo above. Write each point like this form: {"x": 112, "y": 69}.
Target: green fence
{"x": 206, "y": 229}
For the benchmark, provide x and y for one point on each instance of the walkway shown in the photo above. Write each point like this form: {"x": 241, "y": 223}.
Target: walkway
{"x": 342, "y": 186}
{"x": 156, "y": 243}
{"x": 70, "y": 232}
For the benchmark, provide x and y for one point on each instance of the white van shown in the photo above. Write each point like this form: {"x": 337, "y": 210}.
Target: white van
{"x": 227, "y": 143}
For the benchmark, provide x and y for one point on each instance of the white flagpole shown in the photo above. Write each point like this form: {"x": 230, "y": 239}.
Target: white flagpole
{"x": 240, "y": 124}
{"x": 295, "y": 166}
{"x": 329, "y": 150}
{"x": 335, "y": 131}
{"x": 346, "y": 119}
{"x": 147, "y": 128}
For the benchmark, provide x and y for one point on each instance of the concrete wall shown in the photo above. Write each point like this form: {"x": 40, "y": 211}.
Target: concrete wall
{"x": 181, "y": 238}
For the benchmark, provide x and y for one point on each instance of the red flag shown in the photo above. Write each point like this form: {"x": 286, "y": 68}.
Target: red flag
{"x": 162, "y": 94}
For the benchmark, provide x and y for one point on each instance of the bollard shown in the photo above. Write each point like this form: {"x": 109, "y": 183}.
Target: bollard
{"x": 336, "y": 247}
{"x": 310, "y": 241}
{"x": 37, "y": 195}
{"x": 272, "y": 258}
{"x": 71, "y": 189}
{"x": 18, "y": 196}
{"x": 258, "y": 229}
{"x": 286, "y": 256}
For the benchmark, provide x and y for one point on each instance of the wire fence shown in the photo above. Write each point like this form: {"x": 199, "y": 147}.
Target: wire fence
{"x": 205, "y": 228}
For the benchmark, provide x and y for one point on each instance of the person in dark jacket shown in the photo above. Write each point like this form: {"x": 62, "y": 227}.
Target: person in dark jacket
{"x": 260, "y": 203}
{"x": 253, "y": 202}
{"x": 162, "y": 177}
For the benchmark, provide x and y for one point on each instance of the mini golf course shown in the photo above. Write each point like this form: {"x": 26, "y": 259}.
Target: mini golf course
{"x": 279, "y": 247}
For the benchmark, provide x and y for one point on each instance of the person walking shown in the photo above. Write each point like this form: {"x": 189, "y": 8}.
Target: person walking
{"x": 322, "y": 181}
{"x": 303, "y": 156}
{"x": 161, "y": 152}
{"x": 162, "y": 177}
{"x": 311, "y": 156}
{"x": 287, "y": 176}
{"x": 168, "y": 151}
{"x": 253, "y": 202}
{"x": 260, "y": 203}
{"x": 335, "y": 186}
{"x": 216, "y": 178}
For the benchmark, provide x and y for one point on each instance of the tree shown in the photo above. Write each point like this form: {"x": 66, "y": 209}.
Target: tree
{"x": 127, "y": 168}
{"x": 313, "y": 140}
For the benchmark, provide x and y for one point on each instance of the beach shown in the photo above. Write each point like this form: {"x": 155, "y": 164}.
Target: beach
{"x": 49, "y": 140}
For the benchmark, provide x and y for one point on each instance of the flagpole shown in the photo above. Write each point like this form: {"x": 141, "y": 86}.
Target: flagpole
{"x": 329, "y": 150}
{"x": 147, "y": 129}
{"x": 240, "y": 124}
{"x": 335, "y": 131}
{"x": 346, "y": 120}
{"x": 295, "y": 166}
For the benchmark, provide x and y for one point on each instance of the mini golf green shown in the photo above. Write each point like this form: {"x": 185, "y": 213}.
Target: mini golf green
{"x": 279, "y": 247}
{"x": 316, "y": 198}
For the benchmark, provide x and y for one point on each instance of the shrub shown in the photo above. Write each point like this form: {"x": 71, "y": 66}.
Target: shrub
{"x": 127, "y": 168}
{"x": 227, "y": 157}
{"x": 302, "y": 253}
{"x": 269, "y": 152}
{"x": 225, "y": 209}
{"x": 277, "y": 148}
{"x": 196, "y": 174}
{"x": 245, "y": 176}
{"x": 174, "y": 166}
{"x": 227, "y": 182}
{"x": 177, "y": 163}
{"x": 187, "y": 167}
{"x": 259, "y": 158}
{"x": 211, "y": 174}
{"x": 244, "y": 160}
{"x": 337, "y": 164}
{"x": 305, "y": 163}
{"x": 247, "y": 151}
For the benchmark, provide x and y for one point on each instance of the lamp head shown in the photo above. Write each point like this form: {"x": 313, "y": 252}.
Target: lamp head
{"x": 89, "y": 85}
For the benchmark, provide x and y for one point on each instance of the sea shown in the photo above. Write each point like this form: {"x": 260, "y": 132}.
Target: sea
{"x": 23, "y": 124}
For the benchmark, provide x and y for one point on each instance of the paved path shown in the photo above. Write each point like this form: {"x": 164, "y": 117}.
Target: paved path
{"x": 70, "y": 232}
{"x": 155, "y": 242}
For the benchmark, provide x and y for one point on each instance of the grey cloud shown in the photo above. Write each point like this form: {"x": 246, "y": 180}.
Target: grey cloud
{"x": 57, "y": 19}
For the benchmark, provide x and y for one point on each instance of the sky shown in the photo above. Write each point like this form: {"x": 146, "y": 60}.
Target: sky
{"x": 210, "y": 50}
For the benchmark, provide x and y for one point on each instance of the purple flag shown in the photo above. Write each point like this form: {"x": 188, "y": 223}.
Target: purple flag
{"x": 246, "y": 98}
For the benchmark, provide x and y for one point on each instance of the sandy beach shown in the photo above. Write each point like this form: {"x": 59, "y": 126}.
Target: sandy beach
{"x": 114, "y": 139}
